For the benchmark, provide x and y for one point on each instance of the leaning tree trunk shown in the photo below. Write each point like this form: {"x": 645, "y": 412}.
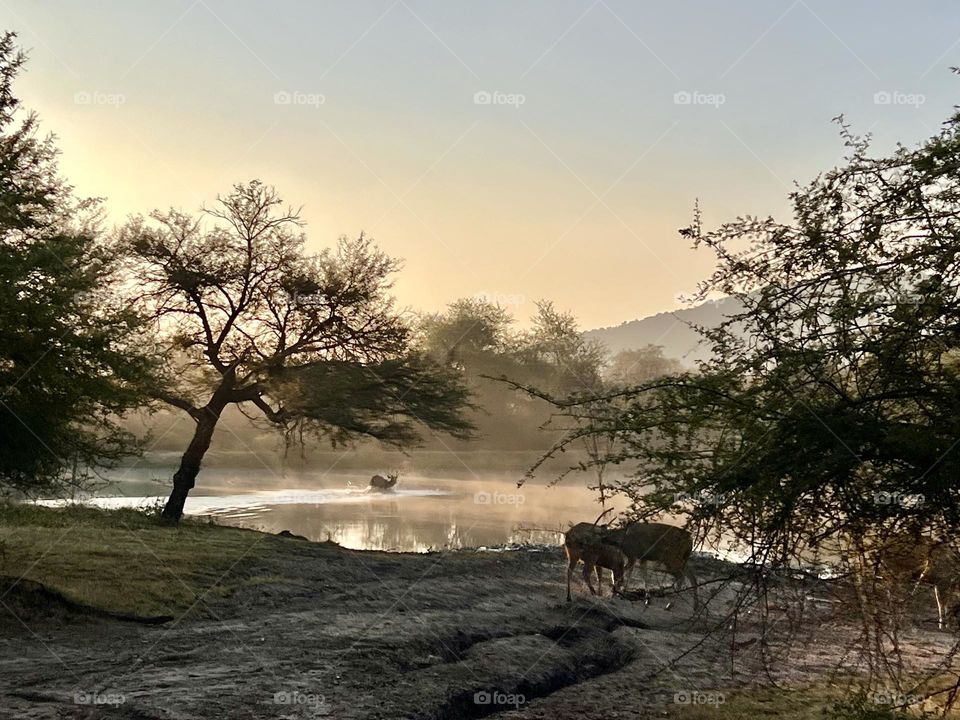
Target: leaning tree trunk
{"x": 186, "y": 476}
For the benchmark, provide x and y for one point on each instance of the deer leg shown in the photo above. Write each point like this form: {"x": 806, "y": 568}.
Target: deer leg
{"x": 936, "y": 594}
{"x": 574, "y": 559}
{"x": 628, "y": 572}
{"x": 692, "y": 579}
{"x": 587, "y": 572}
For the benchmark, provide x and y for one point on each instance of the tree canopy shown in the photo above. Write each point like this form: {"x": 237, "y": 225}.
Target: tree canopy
{"x": 828, "y": 407}
{"x": 311, "y": 342}
{"x": 480, "y": 341}
{"x": 70, "y": 358}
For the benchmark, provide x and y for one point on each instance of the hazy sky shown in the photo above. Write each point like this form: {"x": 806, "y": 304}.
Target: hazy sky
{"x": 605, "y": 120}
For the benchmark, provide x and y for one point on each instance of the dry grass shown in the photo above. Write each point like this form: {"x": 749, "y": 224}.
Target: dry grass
{"x": 812, "y": 702}
{"x": 124, "y": 560}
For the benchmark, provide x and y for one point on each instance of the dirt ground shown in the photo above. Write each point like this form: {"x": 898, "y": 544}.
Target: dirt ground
{"x": 328, "y": 632}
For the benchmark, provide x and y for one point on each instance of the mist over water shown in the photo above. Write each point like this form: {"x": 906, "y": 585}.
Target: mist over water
{"x": 420, "y": 514}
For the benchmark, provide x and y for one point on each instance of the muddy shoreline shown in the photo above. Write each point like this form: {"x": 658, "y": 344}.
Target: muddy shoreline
{"x": 321, "y": 631}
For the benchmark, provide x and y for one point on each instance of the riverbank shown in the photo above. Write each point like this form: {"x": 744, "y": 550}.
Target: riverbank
{"x": 278, "y": 627}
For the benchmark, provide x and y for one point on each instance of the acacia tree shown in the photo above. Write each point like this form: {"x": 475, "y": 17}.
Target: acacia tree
{"x": 312, "y": 343}
{"x": 828, "y": 406}
{"x": 70, "y": 362}
{"x": 824, "y": 428}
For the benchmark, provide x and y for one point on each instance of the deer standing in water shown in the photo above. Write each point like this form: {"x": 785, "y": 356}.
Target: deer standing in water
{"x": 381, "y": 483}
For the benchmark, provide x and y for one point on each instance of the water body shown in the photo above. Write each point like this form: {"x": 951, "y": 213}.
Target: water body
{"x": 420, "y": 514}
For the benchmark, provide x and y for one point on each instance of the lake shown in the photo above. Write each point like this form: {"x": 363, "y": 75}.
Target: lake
{"x": 420, "y": 514}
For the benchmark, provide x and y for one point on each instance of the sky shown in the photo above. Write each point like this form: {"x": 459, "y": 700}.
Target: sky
{"x": 514, "y": 149}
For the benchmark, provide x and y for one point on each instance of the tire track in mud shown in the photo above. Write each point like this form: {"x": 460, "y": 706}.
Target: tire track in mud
{"x": 580, "y": 651}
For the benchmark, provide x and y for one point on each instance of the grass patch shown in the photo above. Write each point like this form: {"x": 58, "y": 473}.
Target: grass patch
{"x": 124, "y": 560}
{"x": 736, "y": 704}
{"x": 814, "y": 702}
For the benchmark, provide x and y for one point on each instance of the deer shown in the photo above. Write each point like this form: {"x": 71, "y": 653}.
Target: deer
{"x": 381, "y": 483}
{"x": 666, "y": 544}
{"x": 584, "y": 541}
{"x": 922, "y": 560}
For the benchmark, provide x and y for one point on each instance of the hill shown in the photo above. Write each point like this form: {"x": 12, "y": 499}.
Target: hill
{"x": 672, "y": 330}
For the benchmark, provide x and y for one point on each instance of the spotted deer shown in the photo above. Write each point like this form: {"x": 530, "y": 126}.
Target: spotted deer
{"x": 584, "y": 541}
{"x": 665, "y": 544}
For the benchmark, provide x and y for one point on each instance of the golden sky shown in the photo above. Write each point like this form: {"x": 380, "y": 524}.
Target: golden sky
{"x": 521, "y": 149}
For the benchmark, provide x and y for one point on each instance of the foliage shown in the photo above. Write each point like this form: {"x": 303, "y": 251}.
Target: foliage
{"x": 70, "y": 361}
{"x": 823, "y": 428}
{"x": 828, "y": 408}
{"x": 642, "y": 365}
{"x": 311, "y": 342}
{"x": 479, "y": 340}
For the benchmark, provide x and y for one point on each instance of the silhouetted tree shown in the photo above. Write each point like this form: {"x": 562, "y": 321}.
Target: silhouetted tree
{"x": 70, "y": 357}
{"x": 313, "y": 343}
{"x": 823, "y": 429}
{"x": 828, "y": 408}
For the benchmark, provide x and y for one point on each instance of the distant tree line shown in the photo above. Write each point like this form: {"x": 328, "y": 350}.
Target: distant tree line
{"x": 483, "y": 342}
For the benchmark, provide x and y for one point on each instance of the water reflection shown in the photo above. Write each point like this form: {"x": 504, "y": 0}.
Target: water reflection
{"x": 458, "y": 514}
{"x": 421, "y": 514}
